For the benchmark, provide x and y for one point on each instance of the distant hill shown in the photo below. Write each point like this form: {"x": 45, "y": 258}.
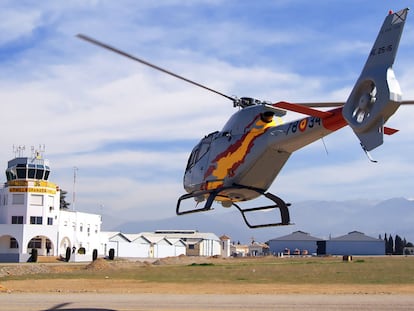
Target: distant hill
{"x": 319, "y": 218}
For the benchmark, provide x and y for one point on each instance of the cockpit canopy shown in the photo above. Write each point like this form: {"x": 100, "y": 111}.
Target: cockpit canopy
{"x": 200, "y": 150}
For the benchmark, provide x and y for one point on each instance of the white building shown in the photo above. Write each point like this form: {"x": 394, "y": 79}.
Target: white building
{"x": 81, "y": 232}
{"x": 164, "y": 243}
{"x": 225, "y": 246}
{"x": 30, "y": 216}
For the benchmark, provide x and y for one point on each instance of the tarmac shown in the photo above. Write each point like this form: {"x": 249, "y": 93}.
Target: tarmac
{"x": 121, "y": 302}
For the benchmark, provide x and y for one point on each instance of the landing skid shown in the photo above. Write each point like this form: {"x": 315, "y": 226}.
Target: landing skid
{"x": 213, "y": 194}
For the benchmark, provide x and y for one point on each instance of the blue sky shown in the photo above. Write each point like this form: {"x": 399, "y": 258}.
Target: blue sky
{"x": 129, "y": 129}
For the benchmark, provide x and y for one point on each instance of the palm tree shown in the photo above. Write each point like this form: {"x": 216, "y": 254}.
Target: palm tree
{"x": 63, "y": 203}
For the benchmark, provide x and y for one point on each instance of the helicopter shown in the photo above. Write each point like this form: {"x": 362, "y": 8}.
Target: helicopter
{"x": 240, "y": 162}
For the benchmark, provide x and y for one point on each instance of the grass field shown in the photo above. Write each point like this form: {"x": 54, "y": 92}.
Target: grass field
{"x": 198, "y": 275}
{"x": 267, "y": 270}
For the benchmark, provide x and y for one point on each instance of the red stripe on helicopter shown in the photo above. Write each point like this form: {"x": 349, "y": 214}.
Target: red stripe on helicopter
{"x": 303, "y": 110}
{"x": 331, "y": 120}
{"x": 335, "y": 121}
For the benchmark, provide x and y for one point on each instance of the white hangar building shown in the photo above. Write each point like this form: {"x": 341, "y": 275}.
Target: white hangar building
{"x": 355, "y": 243}
{"x": 164, "y": 243}
{"x": 296, "y": 241}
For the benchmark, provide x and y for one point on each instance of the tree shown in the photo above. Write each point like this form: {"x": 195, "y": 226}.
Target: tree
{"x": 399, "y": 245}
{"x": 389, "y": 248}
{"x": 63, "y": 203}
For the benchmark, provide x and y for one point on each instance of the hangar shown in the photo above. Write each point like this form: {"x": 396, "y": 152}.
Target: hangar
{"x": 355, "y": 243}
{"x": 163, "y": 243}
{"x": 302, "y": 243}
{"x": 298, "y": 243}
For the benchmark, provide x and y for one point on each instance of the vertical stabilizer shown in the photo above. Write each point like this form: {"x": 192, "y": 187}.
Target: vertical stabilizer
{"x": 377, "y": 94}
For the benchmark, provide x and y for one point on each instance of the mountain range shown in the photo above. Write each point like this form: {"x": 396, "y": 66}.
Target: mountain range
{"x": 322, "y": 219}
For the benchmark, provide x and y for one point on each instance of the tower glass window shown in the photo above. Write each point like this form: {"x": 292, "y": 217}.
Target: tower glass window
{"x": 31, "y": 171}
{"x": 21, "y": 171}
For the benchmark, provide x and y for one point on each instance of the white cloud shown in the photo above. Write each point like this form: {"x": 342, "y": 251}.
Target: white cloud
{"x": 18, "y": 24}
{"x": 78, "y": 99}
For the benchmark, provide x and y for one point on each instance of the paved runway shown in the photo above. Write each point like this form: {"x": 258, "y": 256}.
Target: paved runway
{"x": 121, "y": 302}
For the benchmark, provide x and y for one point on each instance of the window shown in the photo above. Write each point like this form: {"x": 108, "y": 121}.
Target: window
{"x": 47, "y": 172}
{"x": 18, "y": 199}
{"x": 50, "y": 221}
{"x": 36, "y": 199}
{"x": 21, "y": 171}
{"x": 17, "y": 220}
{"x": 31, "y": 171}
{"x": 39, "y": 172}
{"x": 36, "y": 220}
{"x": 13, "y": 243}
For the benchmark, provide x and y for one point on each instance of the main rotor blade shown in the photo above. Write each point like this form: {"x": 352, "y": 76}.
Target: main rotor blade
{"x": 111, "y": 48}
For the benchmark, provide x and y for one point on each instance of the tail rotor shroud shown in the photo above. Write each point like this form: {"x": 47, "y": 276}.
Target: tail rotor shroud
{"x": 377, "y": 95}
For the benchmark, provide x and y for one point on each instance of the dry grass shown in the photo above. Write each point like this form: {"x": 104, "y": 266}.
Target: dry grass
{"x": 219, "y": 275}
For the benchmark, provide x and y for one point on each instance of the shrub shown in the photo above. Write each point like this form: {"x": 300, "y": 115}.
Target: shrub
{"x": 68, "y": 251}
{"x": 111, "y": 254}
{"x": 33, "y": 258}
{"x": 95, "y": 254}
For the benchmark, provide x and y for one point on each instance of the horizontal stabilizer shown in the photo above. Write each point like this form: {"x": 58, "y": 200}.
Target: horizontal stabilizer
{"x": 389, "y": 130}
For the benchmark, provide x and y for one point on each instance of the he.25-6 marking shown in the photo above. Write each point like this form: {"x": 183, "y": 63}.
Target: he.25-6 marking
{"x": 381, "y": 50}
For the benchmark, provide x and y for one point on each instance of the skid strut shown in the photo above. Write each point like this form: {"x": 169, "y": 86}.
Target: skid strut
{"x": 213, "y": 194}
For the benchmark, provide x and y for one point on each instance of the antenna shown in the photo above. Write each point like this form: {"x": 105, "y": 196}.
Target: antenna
{"x": 18, "y": 150}
{"x": 74, "y": 187}
{"x": 41, "y": 150}
{"x": 326, "y": 149}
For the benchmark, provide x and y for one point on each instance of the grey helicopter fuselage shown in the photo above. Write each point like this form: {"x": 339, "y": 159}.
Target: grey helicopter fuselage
{"x": 250, "y": 151}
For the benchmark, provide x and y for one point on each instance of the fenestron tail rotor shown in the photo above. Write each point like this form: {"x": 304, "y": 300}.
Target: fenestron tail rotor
{"x": 364, "y": 104}
{"x": 235, "y": 100}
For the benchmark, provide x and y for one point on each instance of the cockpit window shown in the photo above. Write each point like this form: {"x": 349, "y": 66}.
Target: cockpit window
{"x": 200, "y": 150}
{"x": 193, "y": 157}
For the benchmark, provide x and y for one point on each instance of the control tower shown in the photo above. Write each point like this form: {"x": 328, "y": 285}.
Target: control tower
{"x": 29, "y": 209}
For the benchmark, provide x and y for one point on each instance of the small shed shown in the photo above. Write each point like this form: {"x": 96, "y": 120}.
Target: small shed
{"x": 258, "y": 249}
{"x": 296, "y": 243}
{"x": 355, "y": 243}
{"x": 128, "y": 245}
